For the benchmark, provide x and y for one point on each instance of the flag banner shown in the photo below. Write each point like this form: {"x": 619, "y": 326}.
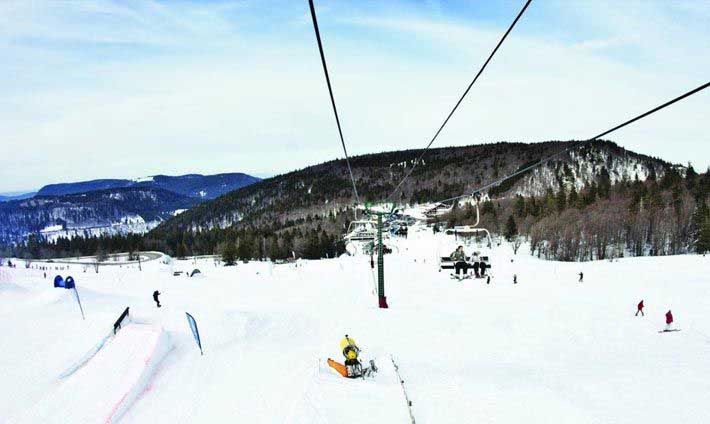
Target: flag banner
{"x": 69, "y": 283}
{"x": 195, "y": 332}
{"x": 59, "y": 281}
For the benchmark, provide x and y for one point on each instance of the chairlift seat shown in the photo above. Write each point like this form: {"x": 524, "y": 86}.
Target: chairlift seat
{"x": 445, "y": 262}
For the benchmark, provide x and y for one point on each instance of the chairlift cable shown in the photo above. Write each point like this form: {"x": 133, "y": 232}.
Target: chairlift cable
{"x": 580, "y": 143}
{"x": 480, "y": 71}
{"x": 332, "y": 98}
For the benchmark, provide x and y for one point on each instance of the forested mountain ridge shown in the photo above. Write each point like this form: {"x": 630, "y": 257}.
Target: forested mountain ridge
{"x": 192, "y": 185}
{"x": 325, "y": 189}
{"x": 123, "y": 209}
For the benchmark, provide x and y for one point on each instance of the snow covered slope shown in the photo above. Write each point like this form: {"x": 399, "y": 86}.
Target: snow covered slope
{"x": 104, "y": 387}
{"x": 549, "y": 349}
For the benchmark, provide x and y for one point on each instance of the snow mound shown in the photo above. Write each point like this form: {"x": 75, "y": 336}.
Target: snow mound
{"x": 109, "y": 382}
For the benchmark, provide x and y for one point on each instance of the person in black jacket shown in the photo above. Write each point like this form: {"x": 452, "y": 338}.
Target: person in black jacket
{"x": 155, "y": 297}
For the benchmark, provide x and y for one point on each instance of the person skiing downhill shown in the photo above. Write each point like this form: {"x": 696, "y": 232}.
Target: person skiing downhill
{"x": 639, "y": 309}
{"x": 581, "y": 277}
{"x": 155, "y": 298}
{"x": 669, "y": 320}
{"x": 459, "y": 258}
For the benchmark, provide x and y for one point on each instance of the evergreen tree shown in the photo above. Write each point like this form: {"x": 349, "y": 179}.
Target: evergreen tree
{"x": 520, "y": 206}
{"x": 561, "y": 200}
{"x": 550, "y": 204}
{"x": 691, "y": 177}
{"x": 573, "y": 198}
{"x": 100, "y": 254}
{"x": 511, "y": 228}
{"x": 703, "y": 243}
{"x": 181, "y": 250}
{"x": 604, "y": 186}
{"x": 229, "y": 253}
{"x": 590, "y": 194}
{"x": 655, "y": 200}
{"x": 273, "y": 248}
{"x": 487, "y": 207}
{"x": 699, "y": 227}
{"x": 245, "y": 249}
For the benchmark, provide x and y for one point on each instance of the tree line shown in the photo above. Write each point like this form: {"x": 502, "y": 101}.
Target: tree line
{"x": 659, "y": 216}
{"x": 309, "y": 240}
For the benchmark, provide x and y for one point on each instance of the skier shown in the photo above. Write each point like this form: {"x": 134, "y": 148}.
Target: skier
{"x": 459, "y": 258}
{"x": 353, "y": 366}
{"x": 155, "y": 298}
{"x": 639, "y": 309}
{"x": 581, "y": 277}
{"x": 669, "y": 320}
{"x": 476, "y": 264}
{"x": 515, "y": 278}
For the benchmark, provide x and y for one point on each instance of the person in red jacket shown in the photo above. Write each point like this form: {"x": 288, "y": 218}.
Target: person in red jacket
{"x": 640, "y": 309}
{"x": 669, "y": 320}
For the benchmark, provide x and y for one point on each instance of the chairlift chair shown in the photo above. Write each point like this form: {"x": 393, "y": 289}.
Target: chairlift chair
{"x": 469, "y": 230}
{"x": 361, "y": 230}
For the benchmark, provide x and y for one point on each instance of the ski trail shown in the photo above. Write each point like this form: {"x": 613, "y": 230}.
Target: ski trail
{"x": 325, "y": 394}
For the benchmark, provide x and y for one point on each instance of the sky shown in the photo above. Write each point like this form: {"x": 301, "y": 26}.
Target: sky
{"x": 123, "y": 89}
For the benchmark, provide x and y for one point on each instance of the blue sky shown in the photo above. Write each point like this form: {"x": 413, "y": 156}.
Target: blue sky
{"x": 109, "y": 89}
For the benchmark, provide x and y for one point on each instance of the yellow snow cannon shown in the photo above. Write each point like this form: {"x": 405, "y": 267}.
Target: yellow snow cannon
{"x": 352, "y": 367}
{"x": 350, "y": 349}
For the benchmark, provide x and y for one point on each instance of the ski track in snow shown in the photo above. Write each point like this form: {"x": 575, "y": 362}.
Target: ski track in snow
{"x": 548, "y": 349}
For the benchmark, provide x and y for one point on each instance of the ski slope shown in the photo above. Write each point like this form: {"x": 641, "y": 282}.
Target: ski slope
{"x": 549, "y": 349}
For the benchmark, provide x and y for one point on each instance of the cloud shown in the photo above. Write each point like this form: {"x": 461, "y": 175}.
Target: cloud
{"x": 103, "y": 89}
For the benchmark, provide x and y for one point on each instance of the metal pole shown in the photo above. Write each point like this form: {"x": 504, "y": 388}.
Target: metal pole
{"x": 81, "y": 308}
{"x": 380, "y": 265}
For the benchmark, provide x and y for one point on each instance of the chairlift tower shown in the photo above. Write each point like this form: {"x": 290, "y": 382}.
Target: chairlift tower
{"x": 382, "y": 299}
{"x": 380, "y": 264}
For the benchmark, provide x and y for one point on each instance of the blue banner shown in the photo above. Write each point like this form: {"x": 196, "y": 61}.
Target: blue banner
{"x": 64, "y": 284}
{"x": 58, "y": 281}
{"x": 69, "y": 283}
{"x": 195, "y": 332}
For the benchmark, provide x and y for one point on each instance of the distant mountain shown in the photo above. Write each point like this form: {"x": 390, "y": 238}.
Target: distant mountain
{"x": 109, "y": 206}
{"x": 192, "y": 185}
{"x": 19, "y": 196}
{"x": 113, "y": 211}
{"x": 309, "y": 196}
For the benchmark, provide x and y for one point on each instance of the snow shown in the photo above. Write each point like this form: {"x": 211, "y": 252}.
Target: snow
{"x": 52, "y": 228}
{"x": 549, "y": 349}
{"x": 124, "y": 225}
{"x": 106, "y": 386}
{"x": 143, "y": 179}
